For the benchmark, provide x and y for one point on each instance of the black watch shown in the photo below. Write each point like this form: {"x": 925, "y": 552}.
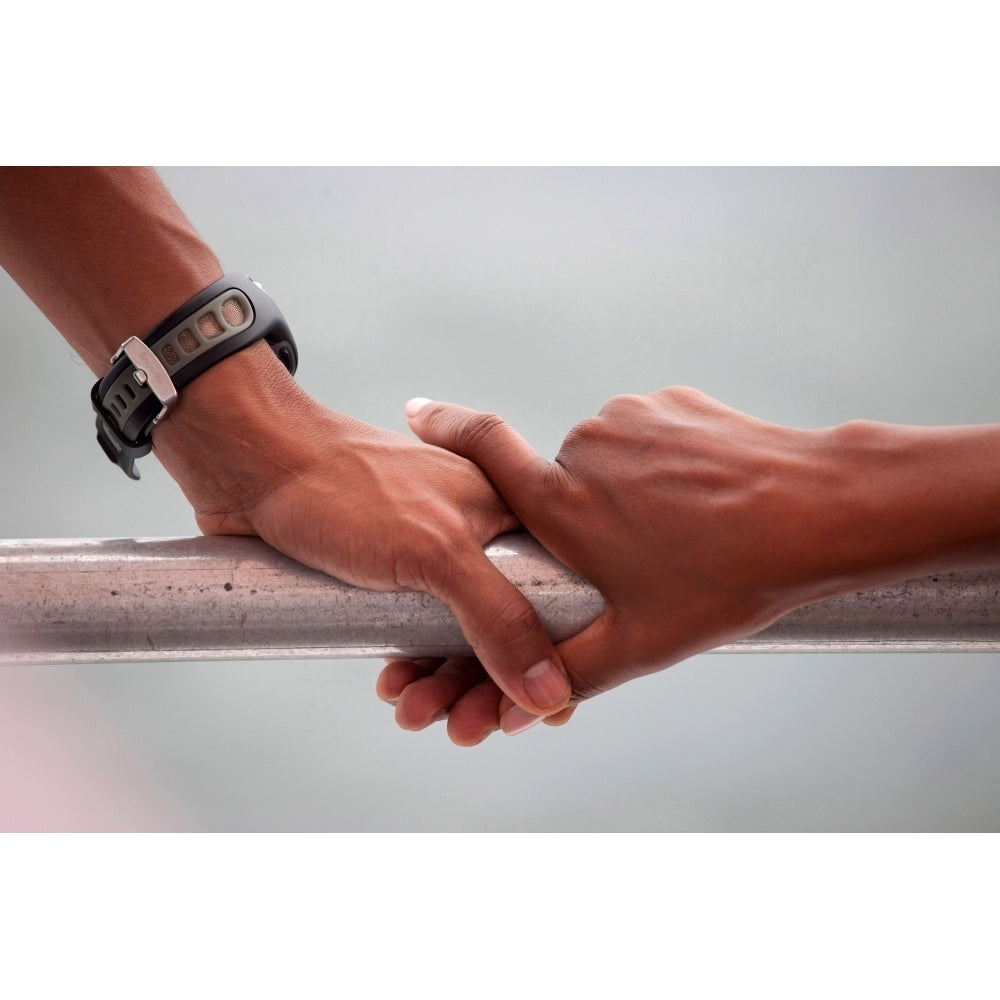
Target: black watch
{"x": 146, "y": 374}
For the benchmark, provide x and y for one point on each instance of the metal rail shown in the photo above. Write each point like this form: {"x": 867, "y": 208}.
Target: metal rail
{"x": 94, "y": 600}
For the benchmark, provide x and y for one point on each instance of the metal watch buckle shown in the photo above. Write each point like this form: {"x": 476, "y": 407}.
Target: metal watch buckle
{"x": 149, "y": 372}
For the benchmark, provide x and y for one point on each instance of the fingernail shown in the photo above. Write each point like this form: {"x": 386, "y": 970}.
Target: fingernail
{"x": 517, "y": 720}
{"x": 546, "y": 684}
{"x": 415, "y": 405}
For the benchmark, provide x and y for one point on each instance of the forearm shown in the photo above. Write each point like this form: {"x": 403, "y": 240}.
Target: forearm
{"x": 104, "y": 252}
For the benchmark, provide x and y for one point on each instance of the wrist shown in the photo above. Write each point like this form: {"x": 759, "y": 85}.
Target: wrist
{"x": 914, "y": 500}
{"x": 232, "y": 432}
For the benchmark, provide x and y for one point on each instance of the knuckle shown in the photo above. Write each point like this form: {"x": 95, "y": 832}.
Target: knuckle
{"x": 512, "y": 625}
{"x": 580, "y": 435}
{"x": 682, "y": 396}
{"x": 623, "y": 406}
{"x": 477, "y": 433}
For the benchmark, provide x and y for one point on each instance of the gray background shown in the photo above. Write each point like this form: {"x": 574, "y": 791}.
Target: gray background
{"x": 803, "y": 296}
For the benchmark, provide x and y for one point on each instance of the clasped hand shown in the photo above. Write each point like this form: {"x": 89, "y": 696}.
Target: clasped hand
{"x": 698, "y": 524}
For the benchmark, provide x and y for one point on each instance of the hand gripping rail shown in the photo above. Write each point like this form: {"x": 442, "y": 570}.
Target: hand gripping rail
{"x": 98, "y": 600}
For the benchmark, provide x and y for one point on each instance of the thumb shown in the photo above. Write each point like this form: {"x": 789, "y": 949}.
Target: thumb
{"x": 592, "y": 658}
{"x": 503, "y": 629}
{"x": 588, "y": 658}
{"x": 509, "y": 462}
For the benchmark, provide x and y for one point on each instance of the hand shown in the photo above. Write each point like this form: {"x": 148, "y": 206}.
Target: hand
{"x": 256, "y": 455}
{"x": 701, "y": 525}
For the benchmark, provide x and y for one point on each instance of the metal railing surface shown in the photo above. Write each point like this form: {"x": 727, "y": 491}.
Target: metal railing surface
{"x": 95, "y": 600}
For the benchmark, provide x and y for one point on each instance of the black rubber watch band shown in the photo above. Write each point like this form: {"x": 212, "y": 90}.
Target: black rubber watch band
{"x": 146, "y": 374}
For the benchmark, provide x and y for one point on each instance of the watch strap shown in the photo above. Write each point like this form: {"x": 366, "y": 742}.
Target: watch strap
{"x": 146, "y": 375}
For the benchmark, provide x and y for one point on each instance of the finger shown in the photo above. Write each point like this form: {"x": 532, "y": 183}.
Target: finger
{"x": 430, "y": 698}
{"x": 396, "y": 675}
{"x": 475, "y": 715}
{"x": 510, "y": 463}
{"x": 560, "y": 718}
{"x": 503, "y": 629}
{"x": 514, "y": 720}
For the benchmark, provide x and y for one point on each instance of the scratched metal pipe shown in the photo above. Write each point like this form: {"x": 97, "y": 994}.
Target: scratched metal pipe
{"x": 97, "y": 600}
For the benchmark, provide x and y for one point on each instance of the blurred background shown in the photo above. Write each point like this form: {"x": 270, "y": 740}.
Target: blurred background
{"x": 803, "y": 296}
